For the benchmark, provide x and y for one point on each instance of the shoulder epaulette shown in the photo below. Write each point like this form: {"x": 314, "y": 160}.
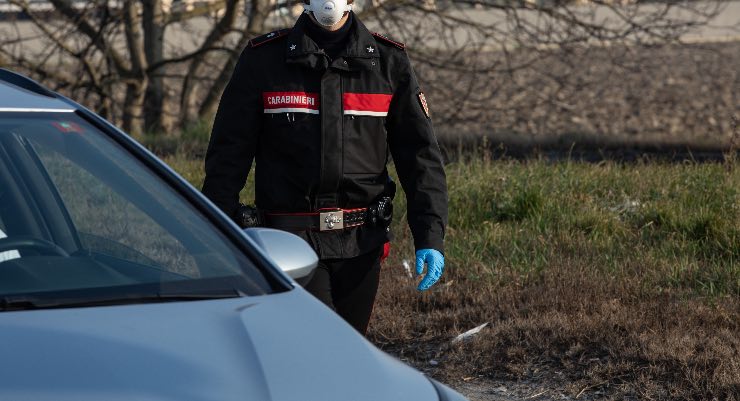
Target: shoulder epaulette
{"x": 268, "y": 37}
{"x": 388, "y": 40}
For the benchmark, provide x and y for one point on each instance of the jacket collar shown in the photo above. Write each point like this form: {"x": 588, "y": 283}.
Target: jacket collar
{"x": 360, "y": 51}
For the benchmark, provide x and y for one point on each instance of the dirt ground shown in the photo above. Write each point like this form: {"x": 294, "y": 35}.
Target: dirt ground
{"x": 534, "y": 389}
{"x": 509, "y": 390}
{"x": 502, "y": 390}
{"x": 661, "y": 98}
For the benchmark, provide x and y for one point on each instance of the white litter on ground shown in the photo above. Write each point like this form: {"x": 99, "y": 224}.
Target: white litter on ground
{"x": 407, "y": 267}
{"x": 469, "y": 334}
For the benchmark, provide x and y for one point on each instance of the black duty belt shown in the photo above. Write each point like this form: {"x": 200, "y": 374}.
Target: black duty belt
{"x": 323, "y": 220}
{"x": 378, "y": 213}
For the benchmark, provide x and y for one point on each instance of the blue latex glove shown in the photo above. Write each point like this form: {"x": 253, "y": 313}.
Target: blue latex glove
{"x": 435, "y": 266}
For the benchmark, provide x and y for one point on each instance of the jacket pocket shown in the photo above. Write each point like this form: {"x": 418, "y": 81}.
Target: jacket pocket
{"x": 365, "y": 145}
{"x": 292, "y": 139}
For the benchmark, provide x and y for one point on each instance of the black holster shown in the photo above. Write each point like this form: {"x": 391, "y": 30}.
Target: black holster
{"x": 380, "y": 213}
{"x": 247, "y": 216}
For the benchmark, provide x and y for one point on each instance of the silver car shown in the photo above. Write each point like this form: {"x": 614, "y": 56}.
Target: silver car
{"x": 119, "y": 281}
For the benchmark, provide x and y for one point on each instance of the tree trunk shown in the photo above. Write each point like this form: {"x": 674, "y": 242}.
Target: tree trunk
{"x": 189, "y": 87}
{"x": 154, "y": 27}
{"x": 133, "y": 106}
{"x": 136, "y": 79}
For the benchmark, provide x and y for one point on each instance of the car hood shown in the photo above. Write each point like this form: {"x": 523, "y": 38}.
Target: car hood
{"x": 278, "y": 347}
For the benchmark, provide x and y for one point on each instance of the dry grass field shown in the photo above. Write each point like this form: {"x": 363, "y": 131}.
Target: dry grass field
{"x": 597, "y": 281}
{"x": 604, "y": 281}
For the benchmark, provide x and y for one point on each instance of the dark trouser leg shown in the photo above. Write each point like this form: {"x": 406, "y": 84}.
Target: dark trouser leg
{"x": 320, "y": 285}
{"x": 352, "y": 285}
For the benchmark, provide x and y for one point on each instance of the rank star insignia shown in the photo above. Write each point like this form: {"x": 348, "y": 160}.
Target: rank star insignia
{"x": 292, "y": 47}
{"x": 370, "y": 49}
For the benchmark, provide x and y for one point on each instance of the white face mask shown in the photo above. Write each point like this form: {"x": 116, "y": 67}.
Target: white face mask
{"x": 328, "y": 12}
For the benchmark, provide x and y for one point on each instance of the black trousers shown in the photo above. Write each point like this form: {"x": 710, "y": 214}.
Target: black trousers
{"x": 348, "y": 286}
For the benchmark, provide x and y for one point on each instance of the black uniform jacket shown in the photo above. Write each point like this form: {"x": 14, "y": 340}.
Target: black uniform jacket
{"x": 321, "y": 132}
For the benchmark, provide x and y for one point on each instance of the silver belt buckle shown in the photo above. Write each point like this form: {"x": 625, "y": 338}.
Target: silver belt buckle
{"x": 333, "y": 220}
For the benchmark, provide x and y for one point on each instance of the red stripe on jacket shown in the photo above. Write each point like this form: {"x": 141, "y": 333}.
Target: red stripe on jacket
{"x": 372, "y": 102}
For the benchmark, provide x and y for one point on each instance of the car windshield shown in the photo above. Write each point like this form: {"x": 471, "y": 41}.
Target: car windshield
{"x": 82, "y": 220}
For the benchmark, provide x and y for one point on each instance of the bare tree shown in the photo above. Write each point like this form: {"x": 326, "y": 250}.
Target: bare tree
{"x": 152, "y": 66}
{"x": 97, "y": 50}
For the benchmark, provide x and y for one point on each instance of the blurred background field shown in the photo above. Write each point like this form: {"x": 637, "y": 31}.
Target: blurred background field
{"x": 568, "y": 75}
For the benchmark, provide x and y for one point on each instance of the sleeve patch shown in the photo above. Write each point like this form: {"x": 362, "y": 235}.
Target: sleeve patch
{"x": 424, "y": 105}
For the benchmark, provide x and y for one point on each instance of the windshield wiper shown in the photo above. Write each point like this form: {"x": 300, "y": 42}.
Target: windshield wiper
{"x": 17, "y": 303}
{"x": 10, "y": 303}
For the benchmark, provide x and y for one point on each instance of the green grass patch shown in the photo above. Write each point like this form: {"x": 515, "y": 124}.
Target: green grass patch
{"x": 510, "y": 220}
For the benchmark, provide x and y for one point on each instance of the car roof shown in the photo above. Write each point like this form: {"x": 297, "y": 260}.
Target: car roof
{"x": 21, "y": 94}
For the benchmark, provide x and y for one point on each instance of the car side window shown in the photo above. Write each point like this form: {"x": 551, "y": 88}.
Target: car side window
{"x": 109, "y": 224}
{"x": 76, "y": 198}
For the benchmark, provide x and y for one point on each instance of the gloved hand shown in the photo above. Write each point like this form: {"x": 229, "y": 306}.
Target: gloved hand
{"x": 435, "y": 266}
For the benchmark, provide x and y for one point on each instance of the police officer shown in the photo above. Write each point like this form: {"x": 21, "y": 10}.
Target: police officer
{"x": 320, "y": 108}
